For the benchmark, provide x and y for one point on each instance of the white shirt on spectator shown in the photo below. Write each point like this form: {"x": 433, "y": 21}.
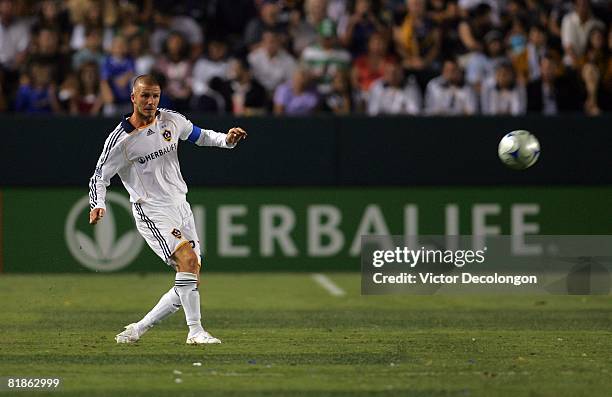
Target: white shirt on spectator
{"x": 385, "y": 99}
{"x": 574, "y": 34}
{"x": 204, "y": 70}
{"x": 480, "y": 67}
{"x": 442, "y": 98}
{"x": 14, "y": 39}
{"x": 271, "y": 71}
{"x": 496, "y": 101}
{"x": 144, "y": 64}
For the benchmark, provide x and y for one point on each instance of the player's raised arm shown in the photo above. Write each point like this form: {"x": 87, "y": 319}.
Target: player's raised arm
{"x": 110, "y": 162}
{"x": 235, "y": 135}
{"x": 203, "y": 137}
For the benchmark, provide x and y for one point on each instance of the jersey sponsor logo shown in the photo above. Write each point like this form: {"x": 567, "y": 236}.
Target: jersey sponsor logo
{"x": 157, "y": 153}
{"x": 107, "y": 248}
{"x": 177, "y": 233}
{"x": 167, "y": 135}
{"x": 150, "y": 132}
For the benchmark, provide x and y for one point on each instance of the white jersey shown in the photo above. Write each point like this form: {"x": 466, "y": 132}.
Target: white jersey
{"x": 146, "y": 159}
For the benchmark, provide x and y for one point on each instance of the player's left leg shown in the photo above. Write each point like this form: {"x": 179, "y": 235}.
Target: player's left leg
{"x": 156, "y": 226}
{"x": 168, "y": 304}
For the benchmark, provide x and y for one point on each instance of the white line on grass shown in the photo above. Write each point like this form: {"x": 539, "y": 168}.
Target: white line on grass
{"x": 328, "y": 285}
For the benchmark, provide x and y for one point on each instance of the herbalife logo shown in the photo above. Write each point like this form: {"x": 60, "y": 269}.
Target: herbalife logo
{"x": 106, "y": 251}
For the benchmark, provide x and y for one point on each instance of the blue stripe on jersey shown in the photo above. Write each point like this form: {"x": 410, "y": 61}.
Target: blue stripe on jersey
{"x": 195, "y": 134}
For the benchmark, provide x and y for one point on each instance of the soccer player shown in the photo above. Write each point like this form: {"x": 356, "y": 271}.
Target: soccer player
{"x": 142, "y": 149}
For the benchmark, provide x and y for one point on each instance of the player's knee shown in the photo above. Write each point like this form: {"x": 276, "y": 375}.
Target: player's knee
{"x": 193, "y": 264}
{"x": 189, "y": 263}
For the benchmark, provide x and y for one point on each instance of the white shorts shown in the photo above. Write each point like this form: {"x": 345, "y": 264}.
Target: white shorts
{"x": 167, "y": 228}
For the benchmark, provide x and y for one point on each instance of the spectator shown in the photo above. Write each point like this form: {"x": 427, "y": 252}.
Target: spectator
{"x": 228, "y": 19}
{"x": 418, "y": 40}
{"x": 244, "y": 94}
{"x": 370, "y": 67}
{"x": 337, "y": 10}
{"x": 447, "y": 94}
{"x": 340, "y": 100}
{"x": 554, "y": 92}
{"x": 473, "y": 28}
{"x": 95, "y": 15}
{"x": 597, "y": 51}
{"x": 527, "y": 62}
{"x": 88, "y": 98}
{"x": 51, "y": 17}
{"x": 295, "y": 97}
{"x": 446, "y": 15}
{"x": 165, "y": 24}
{"x": 391, "y": 95}
{"x": 473, "y": 7}
{"x": 517, "y": 37}
{"x": 177, "y": 67}
{"x": 14, "y": 39}
{"x": 557, "y": 10}
{"x": 481, "y": 66}
{"x": 91, "y": 51}
{"x": 304, "y": 32}
{"x": 37, "y": 93}
{"x": 575, "y": 28}
{"x": 590, "y": 77}
{"x": 503, "y": 95}
{"x": 513, "y": 10}
{"x": 267, "y": 20}
{"x": 45, "y": 49}
{"x": 270, "y": 63}
{"x": 139, "y": 52}
{"x": 358, "y": 28}
{"x": 325, "y": 59}
{"x": 213, "y": 64}
{"x": 116, "y": 73}
{"x": 128, "y": 21}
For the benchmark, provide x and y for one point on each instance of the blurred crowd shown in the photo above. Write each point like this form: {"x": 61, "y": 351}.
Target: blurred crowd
{"x": 300, "y": 57}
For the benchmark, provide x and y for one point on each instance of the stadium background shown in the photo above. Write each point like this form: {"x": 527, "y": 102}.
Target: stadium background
{"x": 382, "y": 149}
{"x": 339, "y": 142}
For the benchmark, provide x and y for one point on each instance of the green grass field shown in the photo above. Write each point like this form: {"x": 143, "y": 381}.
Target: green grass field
{"x": 284, "y": 335}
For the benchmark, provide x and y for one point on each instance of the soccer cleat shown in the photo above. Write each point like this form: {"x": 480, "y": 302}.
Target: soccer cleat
{"x": 202, "y": 338}
{"x": 130, "y": 335}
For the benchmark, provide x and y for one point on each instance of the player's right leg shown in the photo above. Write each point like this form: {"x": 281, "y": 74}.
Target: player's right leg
{"x": 187, "y": 282}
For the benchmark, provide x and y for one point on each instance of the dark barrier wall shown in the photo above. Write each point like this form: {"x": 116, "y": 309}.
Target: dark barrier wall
{"x": 326, "y": 151}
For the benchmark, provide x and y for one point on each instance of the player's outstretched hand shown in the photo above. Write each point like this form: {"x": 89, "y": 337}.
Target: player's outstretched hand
{"x": 95, "y": 215}
{"x": 235, "y": 135}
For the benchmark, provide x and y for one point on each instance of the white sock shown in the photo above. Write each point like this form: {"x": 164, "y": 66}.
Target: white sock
{"x": 187, "y": 288}
{"x": 168, "y": 304}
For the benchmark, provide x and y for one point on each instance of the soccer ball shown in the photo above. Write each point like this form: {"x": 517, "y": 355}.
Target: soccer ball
{"x": 519, "y": 149}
